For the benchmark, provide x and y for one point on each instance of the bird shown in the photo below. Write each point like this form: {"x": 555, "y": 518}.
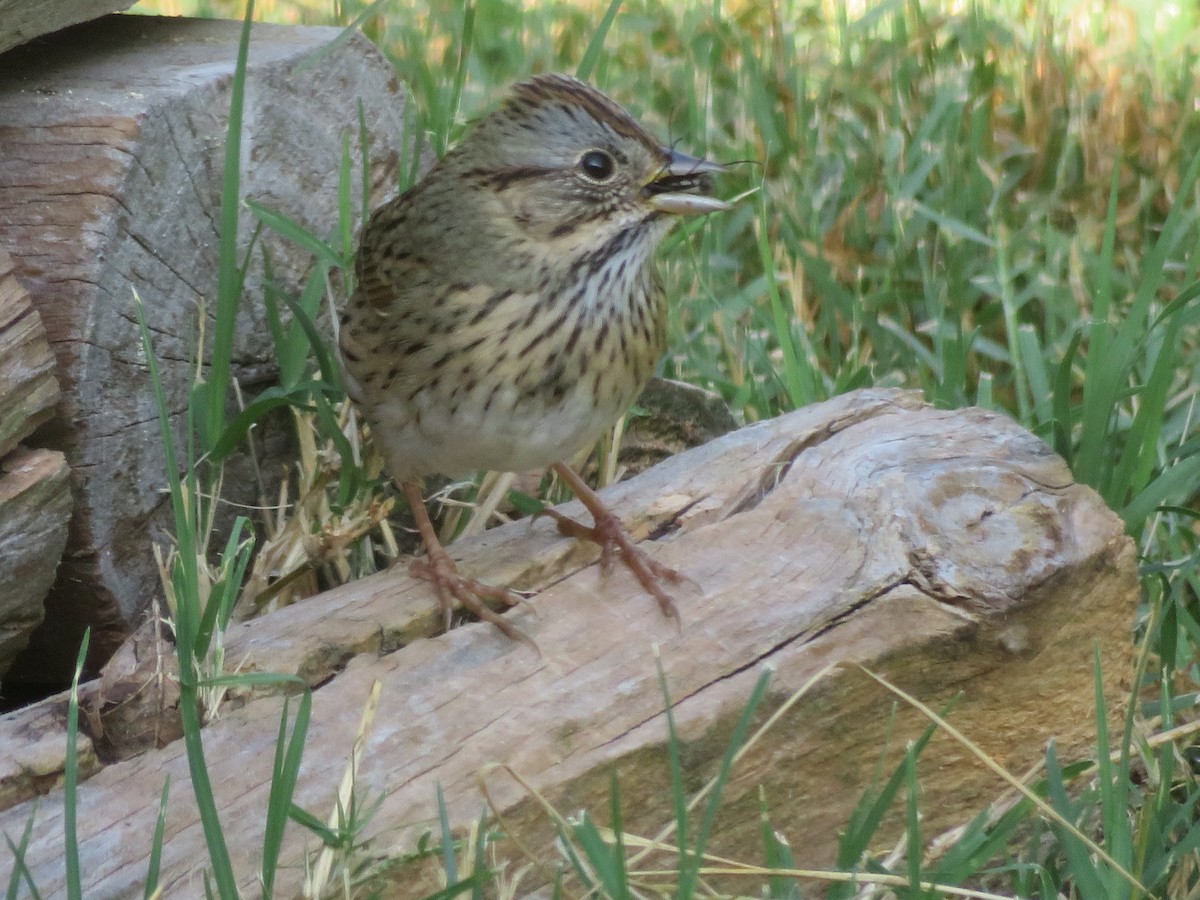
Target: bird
{"x": 507, "y": 310}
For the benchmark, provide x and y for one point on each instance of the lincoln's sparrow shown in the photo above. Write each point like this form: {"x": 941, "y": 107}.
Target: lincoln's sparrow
{"x": 508, "y": 310}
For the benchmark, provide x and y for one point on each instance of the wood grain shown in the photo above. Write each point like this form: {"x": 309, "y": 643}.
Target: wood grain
{"x": 35, "y": 505}
{"x": 949, "y": 550}
{"x": 112, "y": 142}
{"x": 28, "y": 386}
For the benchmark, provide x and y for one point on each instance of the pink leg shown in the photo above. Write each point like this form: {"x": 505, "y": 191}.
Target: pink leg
{"x": 439, "y": 568}
{"x": 611, "y": 535}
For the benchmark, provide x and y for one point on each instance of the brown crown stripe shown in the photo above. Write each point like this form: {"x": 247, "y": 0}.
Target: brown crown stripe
{"x": 568, "y": 92}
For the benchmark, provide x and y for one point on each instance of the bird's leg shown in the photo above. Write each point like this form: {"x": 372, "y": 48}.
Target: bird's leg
{"x": 439, "y": 568}
{"x": 611, "y": 535}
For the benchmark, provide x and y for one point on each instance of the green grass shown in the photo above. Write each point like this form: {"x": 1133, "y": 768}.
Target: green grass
{"x": 995, "y": 204}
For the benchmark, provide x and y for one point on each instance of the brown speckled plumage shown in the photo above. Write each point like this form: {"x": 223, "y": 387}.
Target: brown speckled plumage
{"x": 507, "y": 310}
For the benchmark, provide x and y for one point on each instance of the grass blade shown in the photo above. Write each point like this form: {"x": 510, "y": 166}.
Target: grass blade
{"x": 285, "y": 774}
{"x": 591, "y": 56}
{"x": 20, "y": 869}
{"x": 229, "y": 276}
{"x": 736, "y": 740}
{"x": 912, "y": 823}
{"x": 449, "y": 863}
{"x": 678, "y": 797}
{"x": 187, "y": 616}
{"x": 71, "y": 780}
{"x": 297, "y": 234}
{"x": 156, "y": 843}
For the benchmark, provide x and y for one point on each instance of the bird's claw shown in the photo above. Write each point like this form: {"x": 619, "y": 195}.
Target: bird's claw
{"x": 611, "y": 536}
{"x": 439, "y": 569}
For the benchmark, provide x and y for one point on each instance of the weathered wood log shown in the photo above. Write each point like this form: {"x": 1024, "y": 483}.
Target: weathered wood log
{"x": 112, "y": 143}
{"x": 35, "y": 746}
{"x": 31, "y": 539}
{"x": 28, "y": 386}
{"x": 23, "y": 20}
{"x": 35, "y": 504}
{"x": 949, "y": 550}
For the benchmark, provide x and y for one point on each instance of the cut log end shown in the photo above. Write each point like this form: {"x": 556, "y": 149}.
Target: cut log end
{"x": 110, "y": 183}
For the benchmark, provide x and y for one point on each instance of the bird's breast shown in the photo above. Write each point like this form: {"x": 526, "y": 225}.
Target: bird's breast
{"x": 524, "y": 379}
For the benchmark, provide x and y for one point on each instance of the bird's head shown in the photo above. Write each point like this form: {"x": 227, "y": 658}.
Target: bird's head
{"x": 570, "y": 168}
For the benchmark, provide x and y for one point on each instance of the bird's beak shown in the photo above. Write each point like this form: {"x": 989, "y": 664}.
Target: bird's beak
{"x": 683, "y": 186}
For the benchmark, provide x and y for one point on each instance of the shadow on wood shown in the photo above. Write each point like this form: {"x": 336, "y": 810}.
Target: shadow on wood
{"x": 26, "y": 20}
{"x": 949, "y": 550}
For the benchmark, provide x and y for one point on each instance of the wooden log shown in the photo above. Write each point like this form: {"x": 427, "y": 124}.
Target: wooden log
{"x": 23, "y": 20}
{"x": 35, "y": 504}
{"x": 949, "y": 550}
{"x": 35, "y": 742}
{"x": 35, "y": 497}
{"x": 28, "y": 386}
{"x": 112, "y": 143}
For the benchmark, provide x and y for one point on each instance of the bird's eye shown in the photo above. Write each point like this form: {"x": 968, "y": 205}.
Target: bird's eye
{"x": 597, "y": 165}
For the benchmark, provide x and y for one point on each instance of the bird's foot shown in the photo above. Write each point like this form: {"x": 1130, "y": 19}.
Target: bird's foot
{"x": 608, "y": 532}
{"x": 611, "y": 536}
{"x": 439, "y": 569}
